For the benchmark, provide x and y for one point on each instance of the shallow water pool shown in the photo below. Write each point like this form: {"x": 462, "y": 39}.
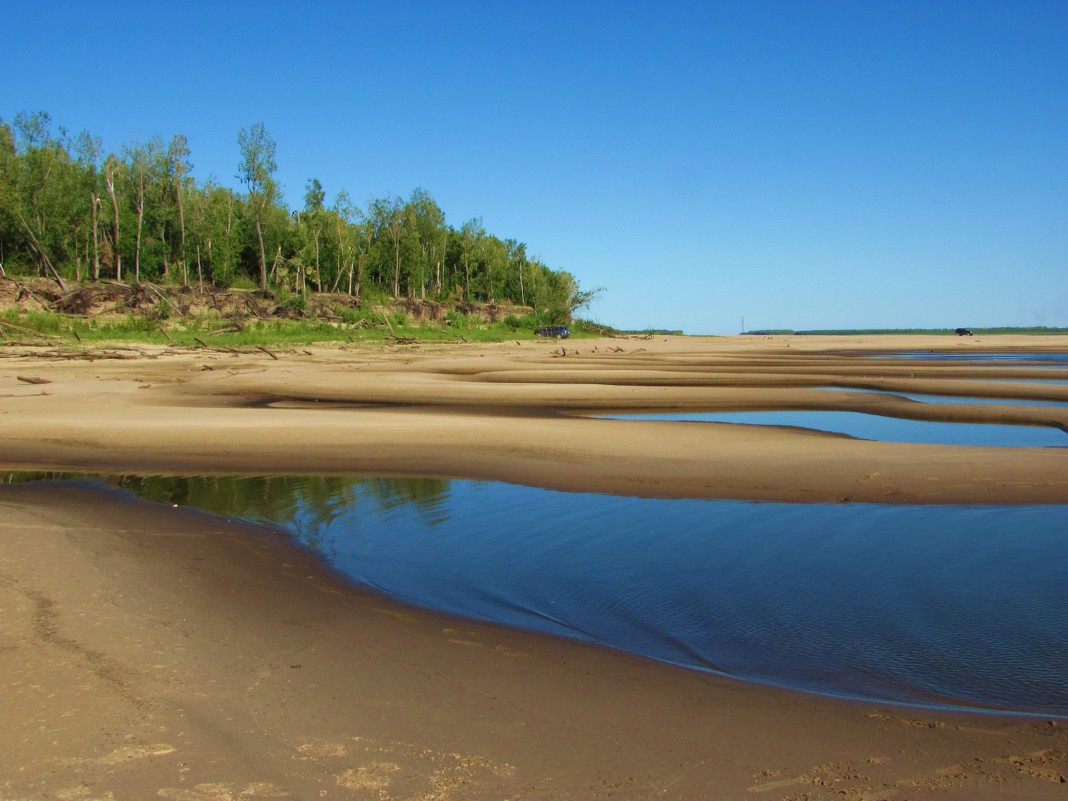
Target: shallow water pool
{"x": 924, "y": 397}
{"x": 954, "y": 606}
{"x": 878, "y": 427}
{"x": 1016, "y": 359}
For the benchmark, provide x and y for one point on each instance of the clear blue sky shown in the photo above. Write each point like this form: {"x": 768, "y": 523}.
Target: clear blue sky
{"x": 803, "y": 164}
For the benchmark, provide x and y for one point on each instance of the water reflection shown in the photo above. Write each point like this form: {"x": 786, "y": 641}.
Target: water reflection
{"x": 305, "y": 505}
{"x": 951, "y": 605}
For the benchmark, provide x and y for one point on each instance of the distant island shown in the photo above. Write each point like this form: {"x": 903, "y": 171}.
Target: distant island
{"x": 904, "y": 331}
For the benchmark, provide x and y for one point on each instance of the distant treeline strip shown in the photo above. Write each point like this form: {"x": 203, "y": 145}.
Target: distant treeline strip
{"x": 68, "y": 210}
{"x": 945, "y": 331}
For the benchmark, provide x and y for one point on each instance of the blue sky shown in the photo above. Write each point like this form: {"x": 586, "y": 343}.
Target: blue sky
{"x": 799, "y": 164}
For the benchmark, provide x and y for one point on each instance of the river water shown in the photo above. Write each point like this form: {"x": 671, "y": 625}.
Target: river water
{"x": 962, "y": 607}
{"x": 945, "y": 606}
{"x": 1014, "y": 359}
{"x": 881, "y": 428}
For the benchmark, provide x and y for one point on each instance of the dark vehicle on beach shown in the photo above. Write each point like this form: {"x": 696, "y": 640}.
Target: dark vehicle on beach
{"x": 964, "y": 332}
{"x": 555, "y": 331}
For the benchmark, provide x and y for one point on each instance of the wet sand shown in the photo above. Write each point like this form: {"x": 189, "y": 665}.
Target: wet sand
{"x": 148, "y": 651}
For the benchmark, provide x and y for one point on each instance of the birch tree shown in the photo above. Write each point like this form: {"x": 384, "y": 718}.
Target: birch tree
{"x": 177, "y": 167}
{"x": 256, "y": 170}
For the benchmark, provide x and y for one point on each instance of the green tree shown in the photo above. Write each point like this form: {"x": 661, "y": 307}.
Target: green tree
{"x": 472, "y": 236}
{"x": 386, "y": 216}
{"x": 517, "y": 263}
{"x": 39, "y": 197}
{"x": 256, "y": 170}
{"x": 343, "y": 227}
{"x": 178, "y": 166}
{"x": 425, "y": 222}
{"x": 88, "y": 154}
{"x": 216, "y": 227}
{"x": 494, "y": 270}
{"x": 146, "y": 173}
{"x": 314, "y": 196}
{"x": 366, "y": 234}
{"x": 8, "y": 234}
{"x": 113, "y": 173}
{"x": 312, "y": 222}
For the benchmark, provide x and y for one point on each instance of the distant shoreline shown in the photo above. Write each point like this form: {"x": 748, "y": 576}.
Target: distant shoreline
{"x": 996, "y": 331}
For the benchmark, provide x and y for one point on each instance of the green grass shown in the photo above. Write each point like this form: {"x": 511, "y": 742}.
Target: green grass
{"x": 355, "y": 325}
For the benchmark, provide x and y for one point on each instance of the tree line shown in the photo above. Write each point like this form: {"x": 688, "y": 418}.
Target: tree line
{"x": 69, "y": 210}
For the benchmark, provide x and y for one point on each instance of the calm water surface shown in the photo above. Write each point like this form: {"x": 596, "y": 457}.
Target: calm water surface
{"x": 924, "y": 397}
{"x": 961, "y": 606}
{"x": 1016, "y": 359}
{"x": 877, "y": 427}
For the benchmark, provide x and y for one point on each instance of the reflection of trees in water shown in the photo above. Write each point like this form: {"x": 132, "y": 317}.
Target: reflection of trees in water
{"x": 28, "y": 477}
{"x": 425, "y": 494}
{"x": 306, "y": 504}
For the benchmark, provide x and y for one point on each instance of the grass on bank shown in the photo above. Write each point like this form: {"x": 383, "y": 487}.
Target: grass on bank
{"x": 353, "y": 326}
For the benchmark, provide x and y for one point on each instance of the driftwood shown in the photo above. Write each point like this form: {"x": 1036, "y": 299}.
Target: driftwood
{"x": 204, "y": 344}
{"x": 233, "y": 328}
{"x": 31, "y": 379}
{"x": 273, "y": 356}
{"x": 170, "y": 303}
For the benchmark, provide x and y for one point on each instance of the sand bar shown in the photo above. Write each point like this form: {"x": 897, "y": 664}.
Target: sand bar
{"x": 516, "y": 413}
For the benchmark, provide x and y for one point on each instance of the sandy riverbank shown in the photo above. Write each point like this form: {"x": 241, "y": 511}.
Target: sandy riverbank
{"x": 511, "y": 412}
{"x": 149, "y": 652}
{"x": 154, "y": 652}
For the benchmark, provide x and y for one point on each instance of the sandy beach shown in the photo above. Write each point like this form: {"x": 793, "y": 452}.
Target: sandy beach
{"x": 155, "y": 652}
